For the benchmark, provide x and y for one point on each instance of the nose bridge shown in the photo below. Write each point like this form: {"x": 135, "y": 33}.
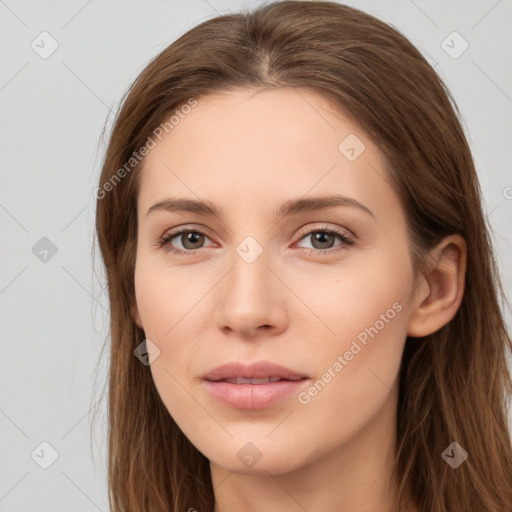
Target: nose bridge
{"x": 248, "y": 297}
{"x": 248, "y": 283}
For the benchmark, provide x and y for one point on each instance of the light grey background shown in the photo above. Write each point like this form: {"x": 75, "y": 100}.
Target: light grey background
{"x": 53, "y": 110}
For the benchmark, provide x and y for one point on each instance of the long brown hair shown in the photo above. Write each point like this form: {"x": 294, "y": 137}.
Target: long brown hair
{"x": 454, "y": 384}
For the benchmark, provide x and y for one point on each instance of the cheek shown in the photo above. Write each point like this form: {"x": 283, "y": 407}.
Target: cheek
{"x": 363, "y": 312}
{"x": 368, "y": 312}
{"x": 165, "y": 296}
{"x": 366, "y": 294}
{"x": 171, "y": 306}
{"x": 359, "y": 357}
{"x": 164, "y": 309}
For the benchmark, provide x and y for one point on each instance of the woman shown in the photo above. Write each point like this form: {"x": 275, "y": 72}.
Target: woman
{"x": 304, "y": 298}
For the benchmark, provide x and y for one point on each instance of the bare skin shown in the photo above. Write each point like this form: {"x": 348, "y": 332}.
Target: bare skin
{"x": 248, "y": 152}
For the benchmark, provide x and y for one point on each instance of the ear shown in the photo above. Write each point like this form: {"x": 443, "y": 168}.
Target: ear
{"x": 136, "y": 315}
{"x": 442, "y": 292}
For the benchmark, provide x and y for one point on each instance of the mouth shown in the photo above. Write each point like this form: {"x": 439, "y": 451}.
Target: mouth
{"x": 268, "y": 380}
{"x": 255, "y": 386}
{"x": 260, "y": 372}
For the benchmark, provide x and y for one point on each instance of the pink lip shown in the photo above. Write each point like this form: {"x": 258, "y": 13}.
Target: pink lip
{"x": 252, "y": 396}
{"x": 258, "y": 370}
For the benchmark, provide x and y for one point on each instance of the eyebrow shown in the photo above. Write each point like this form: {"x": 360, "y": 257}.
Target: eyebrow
{"x": 290, "y": 207}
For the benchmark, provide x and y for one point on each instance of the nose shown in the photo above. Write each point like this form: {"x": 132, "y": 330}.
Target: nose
{"x": 250, "y": 300}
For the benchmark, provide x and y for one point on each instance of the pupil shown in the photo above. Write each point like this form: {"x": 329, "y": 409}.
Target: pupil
{"x": 320, "y": 237}
{"x": 193, "y": 238}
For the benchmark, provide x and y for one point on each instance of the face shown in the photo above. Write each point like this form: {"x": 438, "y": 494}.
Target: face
{"x": 321, "y": 288}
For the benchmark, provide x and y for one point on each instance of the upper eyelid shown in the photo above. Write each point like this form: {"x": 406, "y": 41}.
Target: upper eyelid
{"x": 338, "y": 231}
{"x": 206, "y": 230}
{"x": 181, "y": 229}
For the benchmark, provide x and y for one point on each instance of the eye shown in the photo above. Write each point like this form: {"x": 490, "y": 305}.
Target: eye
{"x": 324, "y": 238}
{"x": 190, "y": 240}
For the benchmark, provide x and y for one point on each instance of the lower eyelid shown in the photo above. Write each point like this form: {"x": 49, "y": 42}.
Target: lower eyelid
{"x": 340, "y": 235}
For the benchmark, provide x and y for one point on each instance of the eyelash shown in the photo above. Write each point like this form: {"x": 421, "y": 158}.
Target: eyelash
{"x": 164, "y": 241}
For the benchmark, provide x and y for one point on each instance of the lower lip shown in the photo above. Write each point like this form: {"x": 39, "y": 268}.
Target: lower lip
{"x": 253, "y": 396}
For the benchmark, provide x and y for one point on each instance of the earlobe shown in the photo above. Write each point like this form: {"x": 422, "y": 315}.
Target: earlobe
{"x": 444, "y": 288}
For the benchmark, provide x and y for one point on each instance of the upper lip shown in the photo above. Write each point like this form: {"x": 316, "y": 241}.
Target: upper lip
{"x": 258, "y": 370}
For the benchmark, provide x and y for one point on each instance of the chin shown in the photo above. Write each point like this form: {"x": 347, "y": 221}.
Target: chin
{"x": 256, "y": 459}
{"x": 273, "y": 466}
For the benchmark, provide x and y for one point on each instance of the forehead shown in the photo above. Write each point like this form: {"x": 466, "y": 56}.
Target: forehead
{"x": 247, "y": 147}
{"x": 293, "y": 123}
